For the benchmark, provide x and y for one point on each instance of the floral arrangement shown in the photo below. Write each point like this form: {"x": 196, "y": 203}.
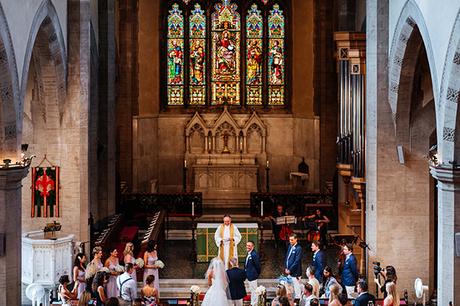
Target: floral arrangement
{"x": 119, "y": 269}
{"x": 161, "y": 265}
{"x": 260, "y": 290}
{"x": 91, "y": 270}
{"x": 105, "y": 269}
{"x": 195, "y": 289}
{"x": 139, "y": 262}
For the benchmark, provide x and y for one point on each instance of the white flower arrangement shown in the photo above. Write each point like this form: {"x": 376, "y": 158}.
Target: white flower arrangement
{"x": 139, "y": 262}
{"x": 119, "y": 269}
{"x": 260, "y": 290}
{"x": 159, "y": 264}
{"x": 105, "y": 269}
{"x": 90, "y": 271}
{"x": 195, "y": 289}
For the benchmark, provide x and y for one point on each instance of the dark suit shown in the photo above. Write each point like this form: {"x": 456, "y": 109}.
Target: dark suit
{"x": 252, "y": 266}
{"x": 319, "y": 262}
{"x": 350, "y": 271}
{"x": 293, "y": 261}
{"x": 364, "y": 299}
{"x": 236, "y": 278}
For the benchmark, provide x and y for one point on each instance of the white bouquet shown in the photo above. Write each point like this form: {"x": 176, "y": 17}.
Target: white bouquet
{"x": 105, "y": 269}
{"x": 119, "y": 269}
{"x": 91, "y": 270}
{"x": 260, "y": 290}
{"x": 159, "y": 264}
{"x": 139, "y": 262}
{"x": 195, "y": 289}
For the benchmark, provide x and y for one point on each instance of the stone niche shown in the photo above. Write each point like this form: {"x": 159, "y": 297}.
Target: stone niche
{"x": 223, "y": 157}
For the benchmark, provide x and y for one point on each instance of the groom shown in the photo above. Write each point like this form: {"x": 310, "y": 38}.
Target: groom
{"x": 236, "y": 278}
{"x": 227, "y": 237}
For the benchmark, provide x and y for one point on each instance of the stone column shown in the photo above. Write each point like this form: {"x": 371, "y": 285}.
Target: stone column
{"x": 448, "y": 224}
{"x": 10, "y": 232}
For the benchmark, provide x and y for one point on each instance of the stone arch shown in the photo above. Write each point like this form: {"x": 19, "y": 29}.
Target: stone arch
{"x": 9, "y": 92}
{"x": 448, "y": 138}
{"x": 46, "y": 49}
{"x": 410, "y": 32}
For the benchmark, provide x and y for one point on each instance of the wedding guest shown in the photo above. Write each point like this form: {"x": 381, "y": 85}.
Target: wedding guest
{"x": 280, "y": 292}
{"x": 111, "y": 263}
{"x": 99, "y": 282}
{"x": 312, "y": 280}
{"x": 129, "y": 258}
{"x": 79, "y": 266}
{"x": 150, "y": 257}
{"x": 389, "y": 275}
{"x": 350, "y": 269}
{"x": 284, "y": 301}
{"x": 328, "y": 281}
{"x": 293, "y": 263}
{"x": 392, "y": 298}
{"x": 307, "y": 295}
{"x": 97, "y": 258}
{"x": 85, "y": 298}
{"x": 149, "y": 293}
{"x": 137, "y": 302}
{"x": 334, "y": 295}
{"x": 252, "y": 268}
{"x": 314, "y": 302}
{"x": 126, "y": 285}
{"x": 63, "y": 293}
{"x": 364, "y": 297}
{"x": 318, "y": 260}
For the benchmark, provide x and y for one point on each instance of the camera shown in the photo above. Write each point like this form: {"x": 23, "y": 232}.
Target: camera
{"x": 377, "y": 268}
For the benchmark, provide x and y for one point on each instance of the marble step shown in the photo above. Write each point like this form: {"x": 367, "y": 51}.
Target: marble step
{"x": 183, "y": 234}
{"x": 180, "y": 288}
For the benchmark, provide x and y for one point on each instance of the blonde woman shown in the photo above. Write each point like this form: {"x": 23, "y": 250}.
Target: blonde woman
{"x": 97, "y": 260}
{"x": 334, "y": 296}
{"x": 129, "y": 258}
{"x": 392, "y": 298}
{"x": 281, "y": 293}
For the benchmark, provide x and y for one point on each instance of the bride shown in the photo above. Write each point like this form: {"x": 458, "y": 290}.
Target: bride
{"x": 217, "y": 280}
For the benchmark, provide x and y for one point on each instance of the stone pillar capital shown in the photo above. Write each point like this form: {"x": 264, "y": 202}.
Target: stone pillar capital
{"x": 448, "y": 176}
{"x": 11, "y": 178}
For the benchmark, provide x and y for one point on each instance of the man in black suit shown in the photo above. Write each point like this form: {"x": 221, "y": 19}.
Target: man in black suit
{"x": 252, "y": 269}
{"x": 236, "y": 278}
{"x": 364, "y": 297}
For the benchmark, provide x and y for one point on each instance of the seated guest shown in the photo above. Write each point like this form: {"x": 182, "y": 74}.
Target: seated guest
{"x": 99, "y": 282}
{"x": 281, "y": 292}
{"x": 363, "y": 296}
{"x": 334, "y": 295}
{"x": 85, "y": 298}
{"x": 137, "y": 302}
{"x": 284, "y": 301}
{"x": 328, "y": 281}
{"x": 307, "y": 295}
{"x": 321, "y": 221}
{"x": 279, "y": 212}
{"x": 63, "y": 293}
{"x": 314, "y": 302}
{"x": 343, "y": 299}
{"x": 149, "y": 293}
{"x": 392, "y": 298}
{"x": 127, "y": 285}
{"x": 312, "y": 280}
{"x": 350, "y": 269}
{"x": 113, "y": 301}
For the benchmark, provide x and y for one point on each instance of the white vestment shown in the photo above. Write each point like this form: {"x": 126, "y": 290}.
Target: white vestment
{"x": 226, "y": 241}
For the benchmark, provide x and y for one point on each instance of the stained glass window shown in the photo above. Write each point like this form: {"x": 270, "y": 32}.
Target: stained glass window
{"x": 197, "y": 56}
{"x": 254, "y": 57}
{"x": 225, "y": 52}
{"x": 276, "y": 58}
{"x": 175, "y": 56}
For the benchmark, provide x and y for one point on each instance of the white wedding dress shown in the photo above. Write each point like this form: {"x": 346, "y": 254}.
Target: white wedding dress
{"x": 217, "y": 293}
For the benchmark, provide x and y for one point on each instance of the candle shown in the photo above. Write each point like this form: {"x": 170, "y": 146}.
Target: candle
{"x": 268, "y": 164}
{"x": 193, "y": 209}
{"x": 261, "y": 208}
{"x": 185, "y": 163}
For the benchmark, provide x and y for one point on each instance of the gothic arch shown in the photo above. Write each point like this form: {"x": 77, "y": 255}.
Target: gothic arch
{"x": 449, "y": 141}
{"x": 409, "y": 35}
{"x": 9, "y": 91}
{"x": 46, "y": 49}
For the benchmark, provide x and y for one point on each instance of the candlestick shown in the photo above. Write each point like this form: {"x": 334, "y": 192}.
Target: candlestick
{"x": 193, "y": 209}
{"x": 261, "y": 208}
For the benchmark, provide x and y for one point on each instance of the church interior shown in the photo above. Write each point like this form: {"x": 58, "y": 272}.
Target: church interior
{"x": 307, "y": 139}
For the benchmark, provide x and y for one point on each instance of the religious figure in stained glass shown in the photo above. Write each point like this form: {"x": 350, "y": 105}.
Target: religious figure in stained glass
{"x": 175, "y": 53}
{"x": 197, "y": 62}
{"x": 176, "y": 60}
{"x": 254, "y": 64}
{"x": 276, "y": 62}
{"x": 226, "y": 55}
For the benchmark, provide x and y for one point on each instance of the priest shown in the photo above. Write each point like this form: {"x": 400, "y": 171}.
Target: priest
{"x": 227, "y": 237}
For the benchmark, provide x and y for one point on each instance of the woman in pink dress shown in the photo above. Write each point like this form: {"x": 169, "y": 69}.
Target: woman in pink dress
{"x": 97, "y": 260}
{"x": 150, "y": 257}
{"x": 129, "y": 257}
{"x": 111, "y": 263}
{"x": 79, "y": 266}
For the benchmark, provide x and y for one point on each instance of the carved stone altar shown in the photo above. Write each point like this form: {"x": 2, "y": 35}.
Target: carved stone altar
{"x": 225, "y": 156}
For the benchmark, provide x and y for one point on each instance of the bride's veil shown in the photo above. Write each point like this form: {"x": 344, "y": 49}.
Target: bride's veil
{"x": 219, "y": 275}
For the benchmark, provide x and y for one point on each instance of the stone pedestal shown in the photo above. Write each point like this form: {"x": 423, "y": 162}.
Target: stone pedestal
{"x": 10, "y": 233}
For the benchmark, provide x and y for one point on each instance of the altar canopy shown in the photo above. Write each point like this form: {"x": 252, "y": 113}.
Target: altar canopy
{"x": 206, "y": 245}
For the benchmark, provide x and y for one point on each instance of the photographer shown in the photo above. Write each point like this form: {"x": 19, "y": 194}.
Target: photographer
{"x": 389, "y": 275}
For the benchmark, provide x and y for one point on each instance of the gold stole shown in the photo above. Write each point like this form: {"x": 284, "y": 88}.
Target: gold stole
{"x": 232, "y": 244}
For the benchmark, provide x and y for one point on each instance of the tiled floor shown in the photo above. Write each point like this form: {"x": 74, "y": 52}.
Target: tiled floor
{"x": 178, "y": 263}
